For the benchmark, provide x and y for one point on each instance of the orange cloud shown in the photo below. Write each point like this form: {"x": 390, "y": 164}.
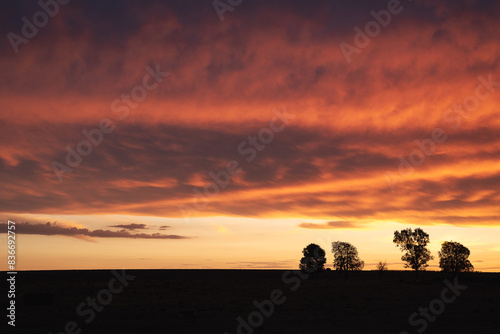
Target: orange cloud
{"x": 352, "y": 121}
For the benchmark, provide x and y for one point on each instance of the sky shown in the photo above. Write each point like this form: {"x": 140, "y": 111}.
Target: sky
{"x": 199, "y": 134}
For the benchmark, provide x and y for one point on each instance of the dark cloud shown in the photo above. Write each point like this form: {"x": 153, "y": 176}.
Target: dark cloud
{"x": 56, "y": 229}
{"x": 131, "y": 226}
{"x": 141, "y": 164}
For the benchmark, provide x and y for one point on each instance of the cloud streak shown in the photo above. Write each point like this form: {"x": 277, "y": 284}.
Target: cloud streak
{"x": 56, "y": 229}
{"x": 330, "y": 225}
{"x": 131, "y": 226}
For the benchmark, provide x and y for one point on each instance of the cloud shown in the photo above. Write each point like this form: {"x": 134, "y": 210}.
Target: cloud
{"x": 285, "y": 264}
{"x": 496, "y": 269}
{"x": 353, "y": 121}
{"x": 131, "y": 226}
{"x": 336, "y": 224}
{"x": 57, "y": 229}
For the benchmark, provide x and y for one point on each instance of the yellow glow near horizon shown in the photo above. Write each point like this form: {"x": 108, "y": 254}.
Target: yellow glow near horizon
{"x": 228, "y": 242}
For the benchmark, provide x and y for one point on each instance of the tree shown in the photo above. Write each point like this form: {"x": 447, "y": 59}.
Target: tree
{"x": 314, "y": 258}
{"x": 414, "y": 243}
{"x": 453, "y": 257}
{"x": 382, "y": 266}
{"x": 346, "y": 257}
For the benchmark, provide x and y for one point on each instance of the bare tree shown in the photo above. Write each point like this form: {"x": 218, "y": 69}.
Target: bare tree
{"x": 382, "y": 266}
{"x": 453, "y": 257}
{"x": 414, "y": 243}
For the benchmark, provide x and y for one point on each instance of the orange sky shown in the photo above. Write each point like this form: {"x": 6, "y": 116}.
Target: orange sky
{"x": 425, "y": 91}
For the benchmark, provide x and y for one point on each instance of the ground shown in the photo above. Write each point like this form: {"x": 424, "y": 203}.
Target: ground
{"x": 210, "y": 301}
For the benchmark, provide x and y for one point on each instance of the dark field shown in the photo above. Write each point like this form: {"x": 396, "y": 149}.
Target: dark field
{"x": 210, "y": 301}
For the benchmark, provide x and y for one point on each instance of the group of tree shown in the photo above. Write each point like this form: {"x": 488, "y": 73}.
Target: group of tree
{"x": 453, "y": 256}
{"x": 345, "y": 255}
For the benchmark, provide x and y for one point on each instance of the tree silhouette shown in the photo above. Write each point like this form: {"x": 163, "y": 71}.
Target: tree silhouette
{"x": 414, "y": 243}
{"x": 453, "y": 257}
{"x": 314, "y": 258}
{"x": 382, "y": 266}
{"x": 346, "y": 257}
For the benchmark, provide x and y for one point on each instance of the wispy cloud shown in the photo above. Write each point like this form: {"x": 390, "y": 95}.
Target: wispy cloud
{"x": 264, "y": 264}
{"x": 336, "y": 224}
